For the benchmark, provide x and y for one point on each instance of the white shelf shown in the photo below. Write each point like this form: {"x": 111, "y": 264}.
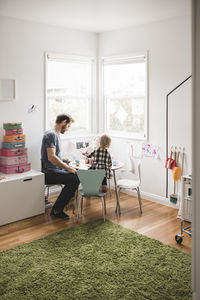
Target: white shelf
{"x": 185, "y": 211}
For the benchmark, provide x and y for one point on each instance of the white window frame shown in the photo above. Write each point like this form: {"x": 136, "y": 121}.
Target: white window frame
{"x": 92, "y": 103}
{"x": 103, "y": 112}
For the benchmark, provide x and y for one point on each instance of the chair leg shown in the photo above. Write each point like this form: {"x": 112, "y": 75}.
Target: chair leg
{"x": 118, "y": 202}
{"x": 73, "y": 209}
{"x": 109, "y": 188}
{"x": 45, "y": 196}
{"x": 139, "y": 199}
{"x": 104, "y": 204}
{"x": 75, "y": 201}
{"x": 47, "y": 193}
{"x": 103, "y": 208}
{"x": 79, "y": 204}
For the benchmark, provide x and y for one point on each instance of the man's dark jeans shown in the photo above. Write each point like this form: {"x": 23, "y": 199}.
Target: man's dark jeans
{"x": 71, "y": 183}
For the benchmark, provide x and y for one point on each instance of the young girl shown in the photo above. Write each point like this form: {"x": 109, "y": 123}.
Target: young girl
{"x": 101, "y": 159}
{"x": 95, "y": 146}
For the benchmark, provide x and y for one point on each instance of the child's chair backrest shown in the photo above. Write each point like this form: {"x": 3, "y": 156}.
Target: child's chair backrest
{"x": 91, "y": 181}
{"x": 136, "y": 166}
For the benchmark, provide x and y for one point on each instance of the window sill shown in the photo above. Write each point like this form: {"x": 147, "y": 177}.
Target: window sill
{"x": 120, "y": 136}
{"x": 76, "y": 136}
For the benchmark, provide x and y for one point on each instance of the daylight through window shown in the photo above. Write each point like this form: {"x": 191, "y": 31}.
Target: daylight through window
{"x": 69, "y": 90}
{"x": 125, "y": 96}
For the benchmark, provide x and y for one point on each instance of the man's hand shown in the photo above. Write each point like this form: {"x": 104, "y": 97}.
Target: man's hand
{"x": 72, "y": 170}
{"x": 66, "y": 160}
{"x": 55, "y": 160}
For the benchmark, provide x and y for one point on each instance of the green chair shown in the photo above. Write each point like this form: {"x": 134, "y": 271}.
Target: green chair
{"x": 90, "y": 181}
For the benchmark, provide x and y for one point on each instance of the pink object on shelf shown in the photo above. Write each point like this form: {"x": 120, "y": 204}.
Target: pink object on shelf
{"x": 14, "y": 131}
{"x": 14, "y": 169}
{"x": 13, "y": 160}
{"x": 13, "y": 152}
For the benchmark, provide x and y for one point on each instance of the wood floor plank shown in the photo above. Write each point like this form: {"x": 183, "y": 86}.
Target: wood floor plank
{"x": 157, "y": 221}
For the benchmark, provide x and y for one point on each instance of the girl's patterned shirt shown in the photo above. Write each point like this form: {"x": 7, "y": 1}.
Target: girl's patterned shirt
{"x": 102, "y": 160}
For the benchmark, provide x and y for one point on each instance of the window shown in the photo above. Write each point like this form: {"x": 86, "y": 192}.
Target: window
{"x": 125, "y": 96}
{"x": 69, "y": 89}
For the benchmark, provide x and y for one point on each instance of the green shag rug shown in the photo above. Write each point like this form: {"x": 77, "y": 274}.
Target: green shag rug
{"x": 97, "y": 260}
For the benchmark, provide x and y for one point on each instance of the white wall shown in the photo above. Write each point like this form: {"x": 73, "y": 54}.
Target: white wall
{"x": 22, "y": 50}
{"x": 22, "y": 58}
{"x": 169, "y": 46}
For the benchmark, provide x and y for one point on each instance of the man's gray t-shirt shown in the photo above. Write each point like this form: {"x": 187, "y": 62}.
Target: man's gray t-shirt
{"x": 51, "y": 139}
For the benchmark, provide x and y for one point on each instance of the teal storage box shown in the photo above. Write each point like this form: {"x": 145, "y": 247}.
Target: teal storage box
{"x": 13, "y": 145}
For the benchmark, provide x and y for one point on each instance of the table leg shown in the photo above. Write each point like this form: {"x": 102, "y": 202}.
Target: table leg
{"x": 117, "y": 197}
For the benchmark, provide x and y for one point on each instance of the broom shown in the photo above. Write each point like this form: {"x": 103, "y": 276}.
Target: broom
{"x": 177, "y": 170}
{"x": 174, "y": 197}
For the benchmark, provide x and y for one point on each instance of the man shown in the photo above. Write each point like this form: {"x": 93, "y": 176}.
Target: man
{"x": 57, "y": 170}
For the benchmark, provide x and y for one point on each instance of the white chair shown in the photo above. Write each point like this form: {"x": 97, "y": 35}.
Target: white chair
{"x": 130, "y": 183}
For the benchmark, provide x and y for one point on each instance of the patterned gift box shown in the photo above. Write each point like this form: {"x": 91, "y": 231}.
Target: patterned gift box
{"x": 13, "y": 145}
{"x": 12, "y": 125}
{"x": 14, "y": 131}
{"x": 13, "y": 152}
{"x": 13, "y": 160}
{"x": 13, "y": 155}
{"x": 15, "y": 168}
{"x": 14, "y": 138}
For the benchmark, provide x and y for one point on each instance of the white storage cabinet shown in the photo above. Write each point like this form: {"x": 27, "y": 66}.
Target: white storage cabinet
{"x": 21, "y": 196}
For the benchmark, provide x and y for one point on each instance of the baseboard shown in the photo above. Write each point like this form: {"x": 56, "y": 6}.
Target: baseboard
{"x": 151, "y": 197}
{"x": 147, "y": 196}
{"x": 158, "y": 199}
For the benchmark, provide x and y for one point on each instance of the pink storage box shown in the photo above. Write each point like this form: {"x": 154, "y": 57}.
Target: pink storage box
{"x": 15, "y": 168}
{"x": 14, "y": 131}
{"x": 13, "y": 152}
{"x": 13, "y": 160}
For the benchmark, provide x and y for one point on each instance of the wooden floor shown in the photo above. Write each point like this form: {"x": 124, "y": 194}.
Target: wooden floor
{"x": 157, "y": 221}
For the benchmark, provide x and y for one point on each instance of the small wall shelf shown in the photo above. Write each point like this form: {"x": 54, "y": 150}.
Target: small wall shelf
{"x": 7, "y": 89}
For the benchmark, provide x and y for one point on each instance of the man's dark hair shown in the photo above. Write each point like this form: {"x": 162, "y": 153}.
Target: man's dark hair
{"x": 64, "y": 117}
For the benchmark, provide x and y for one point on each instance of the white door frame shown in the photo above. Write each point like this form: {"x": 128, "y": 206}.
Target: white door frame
{"x": 196, "y": 149}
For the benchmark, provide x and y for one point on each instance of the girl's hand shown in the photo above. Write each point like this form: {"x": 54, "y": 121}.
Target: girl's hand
{"x": 85, "y": 154}
{"x": 89, "y": 161}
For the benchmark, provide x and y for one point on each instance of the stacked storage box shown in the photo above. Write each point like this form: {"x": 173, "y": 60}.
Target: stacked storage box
{"x": 13, "y": 155}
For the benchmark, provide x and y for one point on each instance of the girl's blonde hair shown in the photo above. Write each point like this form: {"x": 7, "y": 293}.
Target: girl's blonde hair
{"x": 105, "y": 141}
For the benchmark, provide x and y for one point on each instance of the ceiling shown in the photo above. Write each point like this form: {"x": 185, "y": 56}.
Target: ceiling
{"x": 94, "y": 15}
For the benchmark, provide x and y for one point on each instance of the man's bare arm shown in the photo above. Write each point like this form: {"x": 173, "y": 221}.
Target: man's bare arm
{"x": 66, "y": 160}
{"x": 55, "y": 160}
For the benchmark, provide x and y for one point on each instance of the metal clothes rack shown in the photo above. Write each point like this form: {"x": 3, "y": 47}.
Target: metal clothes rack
{"x": 167, "y": 125}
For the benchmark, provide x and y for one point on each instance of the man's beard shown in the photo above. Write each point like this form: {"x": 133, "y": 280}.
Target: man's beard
{"x": 63, "y": 129}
